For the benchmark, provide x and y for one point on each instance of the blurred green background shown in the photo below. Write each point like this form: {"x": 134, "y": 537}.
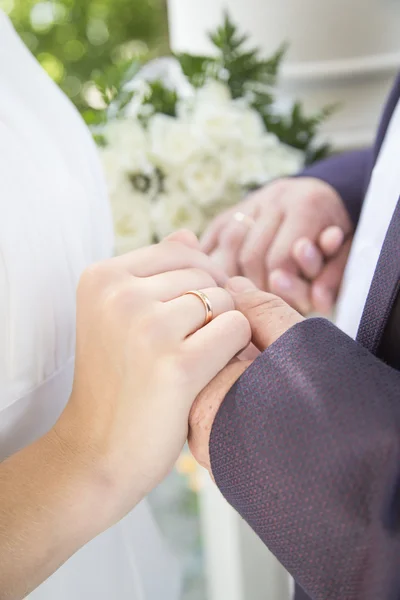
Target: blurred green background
{"x": 74, "y": 40}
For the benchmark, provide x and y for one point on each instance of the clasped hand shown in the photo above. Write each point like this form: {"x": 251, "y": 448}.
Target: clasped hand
{"x": 143, "y": 356}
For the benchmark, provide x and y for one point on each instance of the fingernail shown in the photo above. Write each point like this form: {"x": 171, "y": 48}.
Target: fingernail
{"x": 280, "y": 281}
{"x": 237, "y": 285}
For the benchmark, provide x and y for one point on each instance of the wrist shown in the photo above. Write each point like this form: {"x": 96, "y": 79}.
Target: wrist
{"x": 98, "y": 468}
{"x": 83, "y": 477}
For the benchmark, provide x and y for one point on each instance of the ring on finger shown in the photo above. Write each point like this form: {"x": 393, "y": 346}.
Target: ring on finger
{"x": 206, "y": 303}
{"x": 248, "y": 221}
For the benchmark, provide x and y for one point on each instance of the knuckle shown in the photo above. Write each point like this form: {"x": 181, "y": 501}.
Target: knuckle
{"x": 172, "y": 246}
{"x": 312, "y": 201}
{"x": 206, "y": 280}
{"x": 122, "y": 296}
{"x": 259, "y": 300}
{"x": 95, "y": 276}
{"x": 150, "y": 324}
{"x": 280, "y": 186}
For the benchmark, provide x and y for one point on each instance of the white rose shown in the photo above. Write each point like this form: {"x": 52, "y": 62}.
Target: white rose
{"x": 128, "y": 140}
{"x": 132, "y": 219}
{"x": 113, "y": 169}
{"x": 205, "y": 178}
{"x": 175, "y": 211}
{"x": 173, "y": 142}
{"x": 252, "y": 169}
{"x": 284, "y": 160}
{"x": 251, "y": 126}
{"x": 214, "y": 93}
{"x": 219, "y": 123}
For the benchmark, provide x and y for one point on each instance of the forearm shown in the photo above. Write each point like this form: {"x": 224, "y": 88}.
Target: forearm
{"x": 306, "y": 447}
{"x": 48, "y": 510}
{"x": 348, "y": 174}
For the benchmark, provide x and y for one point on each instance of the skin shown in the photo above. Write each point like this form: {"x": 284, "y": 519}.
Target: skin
{"x": 142, "y": 357}
{"x": 269, "y": 318}
{"x": 297, "y": 248}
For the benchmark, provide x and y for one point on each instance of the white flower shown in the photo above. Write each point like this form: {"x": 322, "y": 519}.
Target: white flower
{"x": 214, "y": 93}
{"x": 175, "y": 211}
{"x": 219, "y": 124}
{"x": 127, "y": 146}
{"x": 132, "y": 219}
{"x": 173, "y": 142}
{"x": 230, "y": 123}
{"x": 283, "y": 160}
{"x": 205, "y": 178}
{"x": 169, "y": 72}
{"x": 112, "y": 167}
{"x": 251, "y": 126}
{"x": 252, "y": 169}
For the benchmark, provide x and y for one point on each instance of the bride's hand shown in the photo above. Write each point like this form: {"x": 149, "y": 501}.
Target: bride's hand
{"x": 142, "y": 357}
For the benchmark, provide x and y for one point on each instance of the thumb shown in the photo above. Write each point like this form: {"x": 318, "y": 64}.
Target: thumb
{"x": 269, "y": 316}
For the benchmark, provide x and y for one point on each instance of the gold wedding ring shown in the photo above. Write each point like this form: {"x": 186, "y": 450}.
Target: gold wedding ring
{"x": 245, "y": 219}
{"x": 206, "y": 303}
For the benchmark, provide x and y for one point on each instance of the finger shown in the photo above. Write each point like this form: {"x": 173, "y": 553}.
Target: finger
{"x": 167, "y": 256}
{"x": 255, "y": 248}
{"x": 170, "y": 285}
{"x": 326, "y": 287}
{"x": 292, "y": 289}
{"x": 280, "y": 255}
{"x": 308, "y": 257}
{"x": 205, "y": 408}
{"x": 209, "y": 239}
{"x": 186, "y": 237}
{"x": 211, "y": 348}
{"x": 188, "y": 314}
{"x": 230, "y": 244}
{"x": 330, "y": 240}
{"x": 269, "y": 316}
{"x": 218, "y": 257}
{"x": 249, "y": 354}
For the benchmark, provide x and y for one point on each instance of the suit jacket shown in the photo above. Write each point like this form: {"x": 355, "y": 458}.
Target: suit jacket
{"x": 306, "y": 446}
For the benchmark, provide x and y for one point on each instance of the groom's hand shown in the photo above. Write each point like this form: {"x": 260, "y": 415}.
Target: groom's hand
{"x": 269, "y": 318}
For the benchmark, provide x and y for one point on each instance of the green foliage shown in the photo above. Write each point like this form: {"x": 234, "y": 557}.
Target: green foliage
{"x": 79, "y": 41}
{"x": 248, "y": 75}
{"x": 162, "y": 99}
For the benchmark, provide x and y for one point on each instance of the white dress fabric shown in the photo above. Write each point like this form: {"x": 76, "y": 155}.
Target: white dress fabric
{"x": 380, "y": 203}
{"x": 54, "y": 221}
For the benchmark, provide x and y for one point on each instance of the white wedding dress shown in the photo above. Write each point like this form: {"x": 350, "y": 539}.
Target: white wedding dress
{"x": 54, "y": 220}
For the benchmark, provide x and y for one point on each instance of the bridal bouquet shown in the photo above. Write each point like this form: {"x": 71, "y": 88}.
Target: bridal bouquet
{"x": 186, "y": 137}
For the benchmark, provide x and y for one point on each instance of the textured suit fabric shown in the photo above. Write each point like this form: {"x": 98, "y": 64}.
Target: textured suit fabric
{"x": 384, "y": 288}
{"x": 306, "y": 446}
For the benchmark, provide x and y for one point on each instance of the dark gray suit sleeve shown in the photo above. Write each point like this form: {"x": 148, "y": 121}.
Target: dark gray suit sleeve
{"x": 348, "y": 174}
{"x": 306, "y": 447}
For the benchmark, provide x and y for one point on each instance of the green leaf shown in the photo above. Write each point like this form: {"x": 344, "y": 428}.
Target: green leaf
{"x": 94, "y": 117}
{"x": 162, "y": 99}
{"x": 194, "y": 67}
{"x": 100, "y": 140}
